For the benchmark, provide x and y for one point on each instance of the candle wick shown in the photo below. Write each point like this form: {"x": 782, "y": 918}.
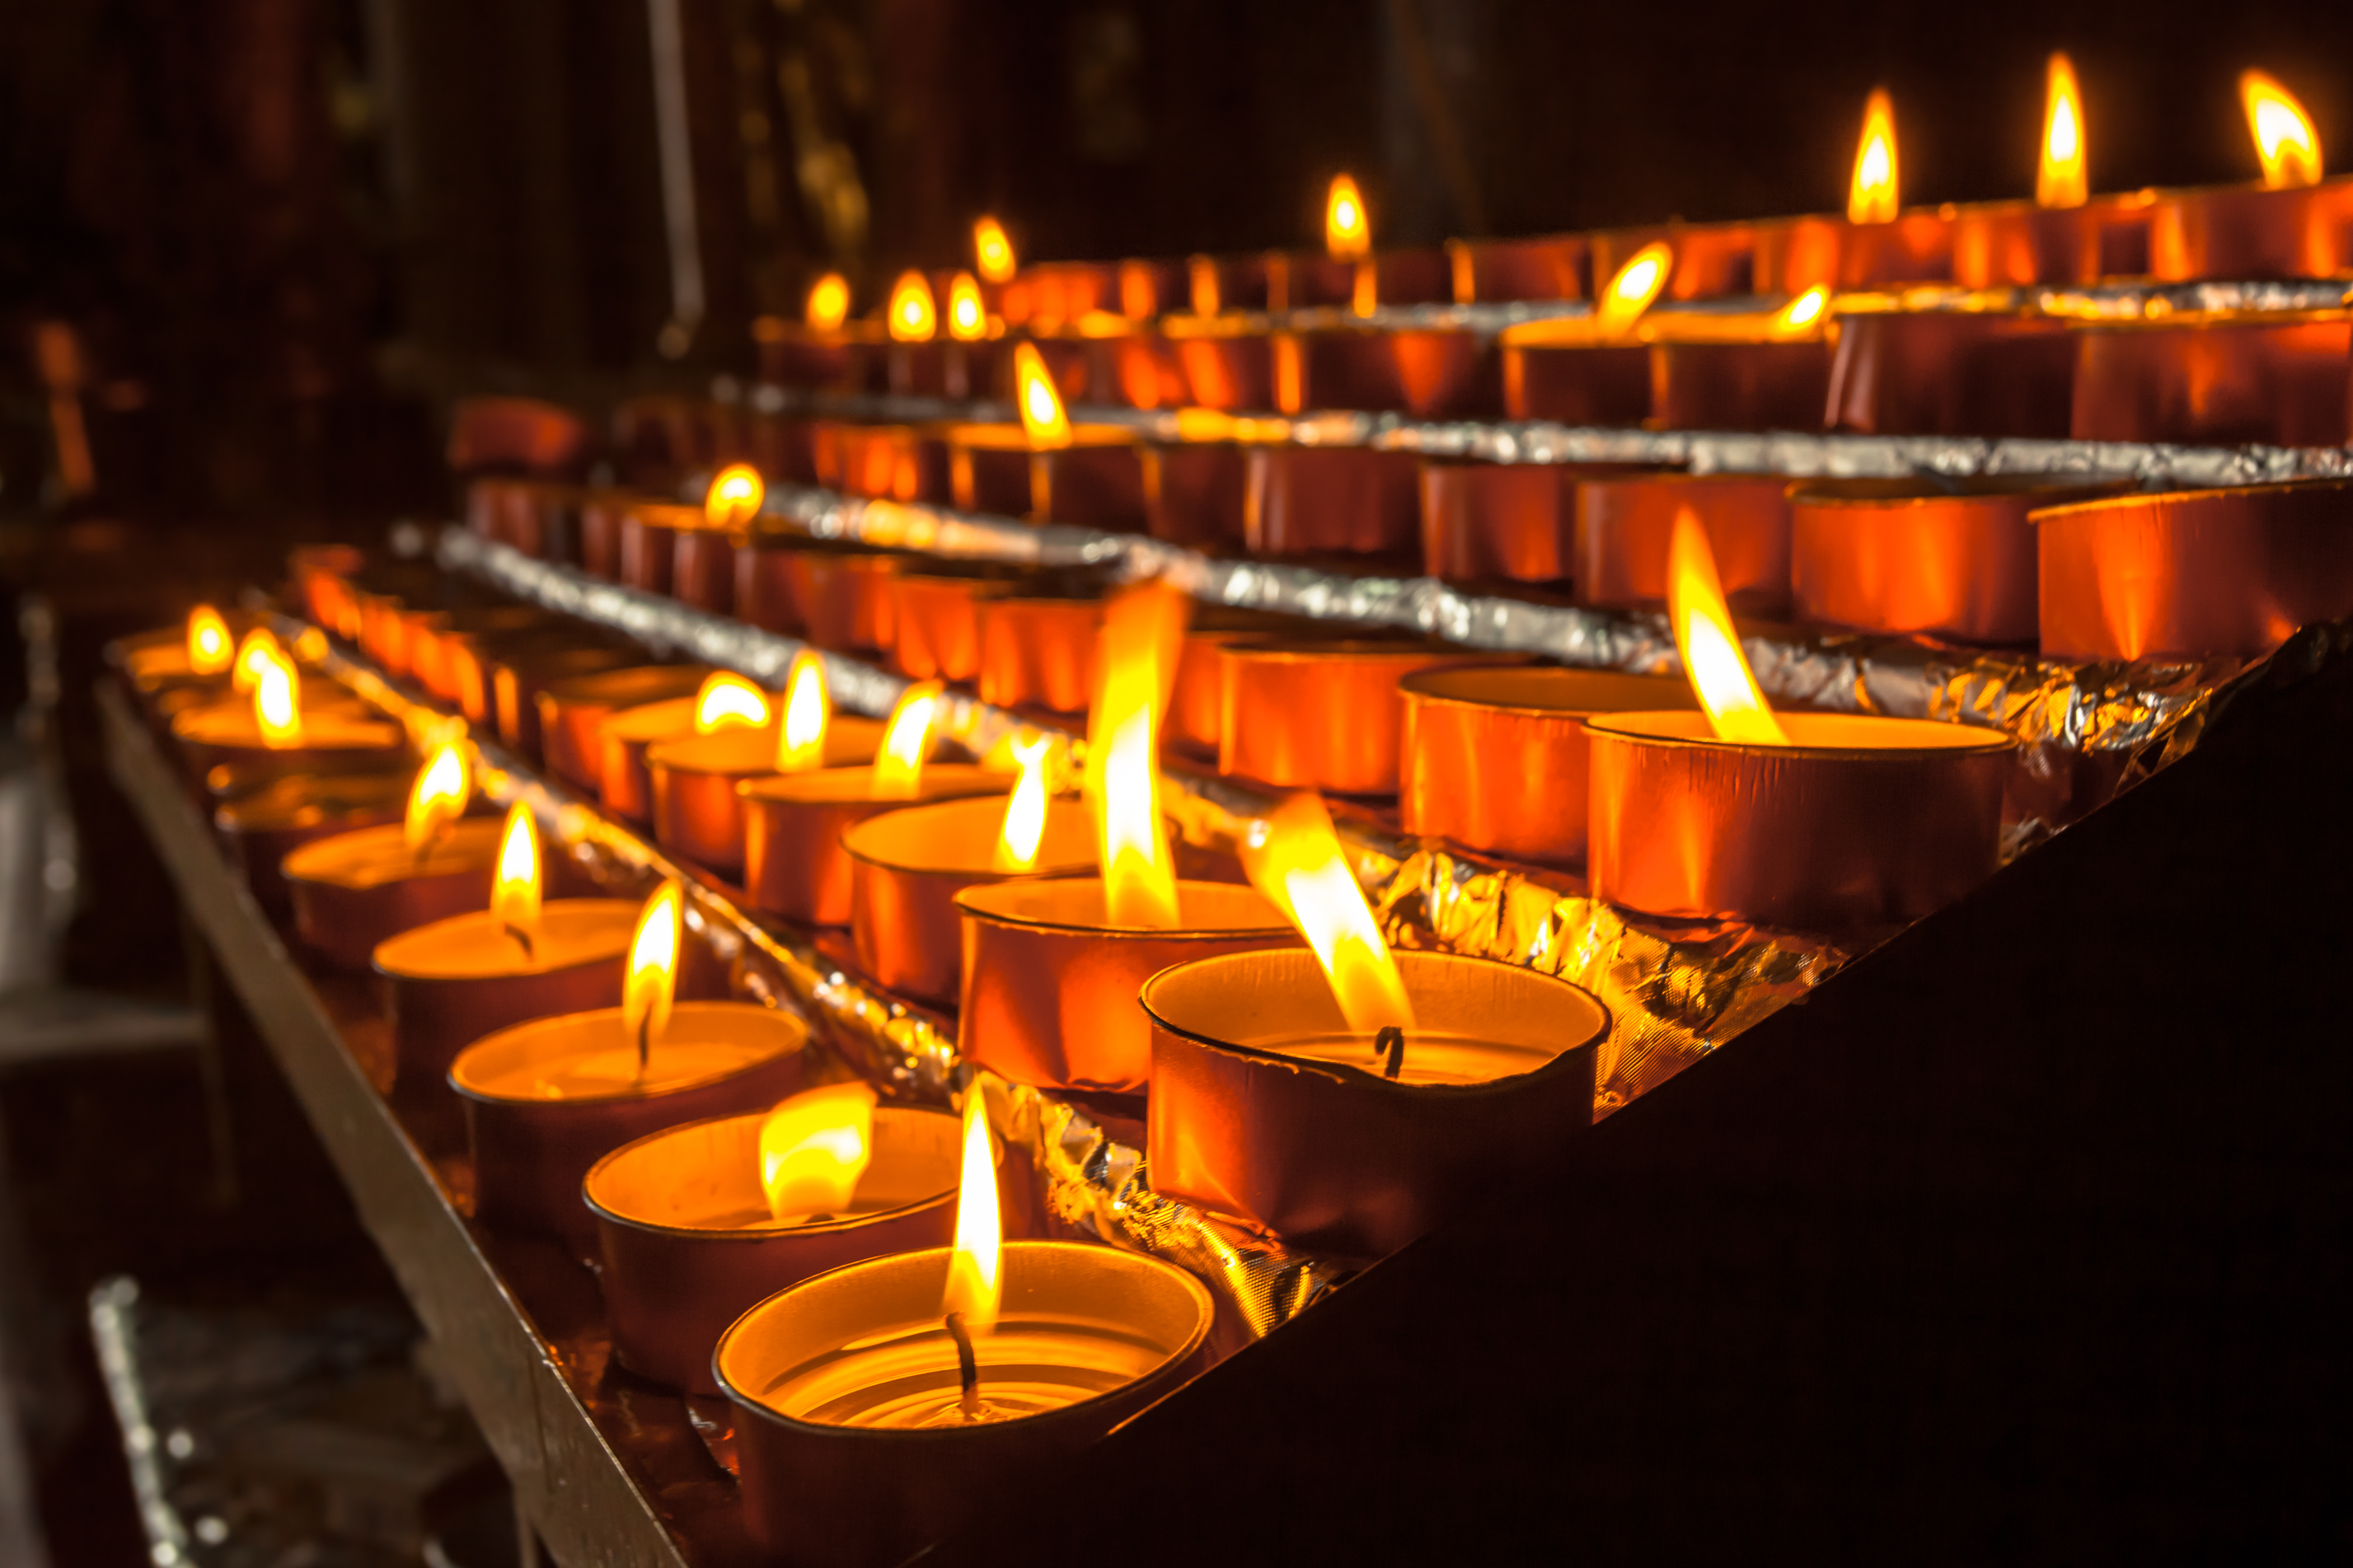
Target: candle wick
{"x": 968, "y": 1367}
{"x": 522, "y": 940}
{"x": 645, "y": 1042}
{"x": 1391, "y": 1040}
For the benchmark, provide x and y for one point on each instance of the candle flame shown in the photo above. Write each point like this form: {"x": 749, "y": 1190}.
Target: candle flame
{"x": 1871, "y": 198}
{"x": 726, "y": 698}
{"x": 438, "y": 796}
{"x": 800, "y": 739}
{"x": 1143, "y": 636}
{"x": 813, "y": 1149}
{"x": 968, "y": 317}
{"x": 1043, "y": 418}
{"x": 209, "y": 650}
{"x": 974, "y": 1286}
{"x": 1025, "y": 809}
{"x": 1800, "y": 313}
{"x": 992, "y": 252}
{"x": 1632, "y": 289}
{"x": 912, "y": 316}
{"x": 1718, "y": 671}
{"x": 254, "y": 655}
{"x": 652, "y": 976}
{"x": 734, "y": 496}
{"x": 1293, "y": 857}
{"x": 2285, "y": 138}
{"x": 278, "y": 701}
{"x": 515, "y": 892}
{"x": 2061, "y": 180}
{"x": 907, "y": 740}
{"x": 1347, "y": 232}
{"x": 829, "y": 303}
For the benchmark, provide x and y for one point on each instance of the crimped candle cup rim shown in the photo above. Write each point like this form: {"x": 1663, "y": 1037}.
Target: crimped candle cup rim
{"x": 621, "y": 686}
{"x": 986, "y": 827}
{"x": 996, "y": 438}
{"x": 745, "y": 751}
{"x": 854, "y": 786}
{"x": 1001, "y": 904}
{"x": 1933, "y": 738}
{"x": 2169, "y": 500}
{"x": 1337, "y": 651}
{"x": 1507, "y": 689}
{"x": 791, "y": 1034}
{"x": 1981, "y": 490}
{"x": 621, "y": 914}
{"x": 464, "y": 847}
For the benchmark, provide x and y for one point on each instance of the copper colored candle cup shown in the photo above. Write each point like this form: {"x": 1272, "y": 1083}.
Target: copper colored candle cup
{"x": 2221, "y": 381}
{"x": 332, "y": 736}
{"x": 2194, "y": 573}
{"x": 702, "y": 568}
{"x": 1860, "y": 823}
{"x": 1623, "y": 527}
{"x": 456, "y": 979}
{"x": 1497, "y": 271}
{"x": 1330, "y": 500}
{"x": 1433, "y": 374}
{"x": 572, "y": 713}
{"x": 259, "y": 826}
{"x": 845, "y": 597}
{"x": 649, "y": 544}
{"x": 1952, "y": 373}
{"x": 532, "y": 1151}
{"x": 516, "y": 684}
{"x": 821, "y": 1496}
{"x": 601, "y": 517}
{"x": 2019, "y": 245}
{"x": 437, "y": 641}
{"x": 1227, "y": 364}
{"x": 1574, "y": 382}
{"x": 907, "y": 867}
{"x": 1494, "y": 756}
{"x": 1918, "y": 557}
{"x": 1334, "y": 1158}
{"x": 764, "y": 582}
{"x": 1096, "y": 481}
{"x": 355, "y": 891}
{"x": 674, "y": 1278}
{"x": 1039, "y": 653}
{"x": 794, "y": 865}
{"x": 1197, "y": 702}
{"x": 475, "y": 660}
{"x": 1321, "y": 715}
{"x": 1739, "y": 386}
{"x": 891, "y": 462}
{"x": 793, "y": 356}
{"x": 935, "y": 624}
{"x": 698, "y": 813}
{"x": 1144, "y": 370}
{"x": 1484, "y": 522}
{"x": 1711, "y": 260}
{"x": 1227, "y": 283}
{"x": 1796, "y": 254}
{"x": 625, "y": 783}
{"x": 2247, "y": 232}
{"x": 1193, "y": 494}
{"x": 1050, "y": 983}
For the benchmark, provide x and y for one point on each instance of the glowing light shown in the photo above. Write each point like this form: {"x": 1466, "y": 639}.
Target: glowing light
{"x": 968, "y": 317}
{"x": 1347, "y": 232}
{"x": 1143, "y": 634}
{"x": 651, "y": 979}
{"x": 913, "y": 316}
{"x": 278, "y": 701}
{"x": 1025, "y": 809}
{"x": 1803, "y": 312}
{"x": 515, "y": 892}
{"x": 813, "y": 1149}
{"x": 1293, "y": 857}
{"x": 734, "y": 496}
{"x": 800, "y": 739}
{"x": 974, "y": 1286}
{"x": 829, "y": 303}
{"x": 1632, "y": 289}
{"x": 992, "y": 252}
{"x": 254, "y": 655}
{"x": 1871, "y": 198}
{"x": 2060, "y": 179}
{"x": 209, "y": 650}
{"x": 907, "y": 742}
{"x": 2285, "y": 138}
{"x": 438, "y": 796}
{"x": 1043, "y": 418}
{"x": 726, "y": 700}
{"x": 1718, "y": 671}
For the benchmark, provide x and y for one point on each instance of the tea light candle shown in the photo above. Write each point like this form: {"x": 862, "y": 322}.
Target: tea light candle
{"x": 1045, "y": 468}
{"x": 264, "y": 815}
{"x": 1037, "y": 652}
{"x": 698, "y": 811}
{"x": 572, "y": 713}
{"x": 625, "y": 779}
{"x": 1319, "y": 715}
{"x": 357, "y": 889}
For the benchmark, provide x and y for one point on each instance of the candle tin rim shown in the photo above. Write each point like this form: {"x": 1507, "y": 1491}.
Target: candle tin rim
{"x": 487, "y": 828}
{"x": 591, "y": 686}
{"x": 433, "y": 977}
{"x": 1629, "y": 726}
{"x": 666, "y": 752}
{"x": 792, "y": 789}
{"x": 794, "y": 1026}
{"x": 2176, "y": 498}
{"x": 1281, "y": 650}
{"x": 614, "y": 725}
{"x": 1205, "y": 1309}
{"x": 1918, "y": 490}
{"x": 1356, "y": 1077}
{"x": 1060, "y": 869}
{"x": 975, "y": 902}
{"x": 359, "y": 735}
{"x": 2205, "y": 321}
{"x": 1422, "y": 687}
{"x": 991, "y": 435}
{"x": 767, "y": 1232}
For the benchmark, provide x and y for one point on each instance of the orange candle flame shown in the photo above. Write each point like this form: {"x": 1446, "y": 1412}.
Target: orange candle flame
{"x": 651, "y": 978}
{"x": 1143, "y": 636}
{"x": 907, "y": 742}
{"x": 992, "y": 251}
{"x": 829, "y": 303}
{"x": 800, "y": 739}
{"x": 727, "y": 698}
{"x": 1718, "y": 671}
{"x": 1632, "y": 290}
{"x": 975, "y": 1287}
{"x": 1871, "y": 198}
{"x": 2061, "y": 180}
{"x": 813, "y": 1149}
{"x": 913, "y": 316}
{"x": 2285, "y": 138}
{"x": 278, "y": 701}
{"x": 1348, "y": 231}
{"x": 1025, "y": 808}
{"x": 968, "y": 317}
{"x": 254, "y": 655}
{"x": 209, "y": 650}
{"x": 515, "y": 892}
{"x": 1800, "y": 314}
{"x": 734, "y": 496}
{"x": 1293, "y": 857}
{"x": 438, "y": 796}
{"x": 1043, "y": 418}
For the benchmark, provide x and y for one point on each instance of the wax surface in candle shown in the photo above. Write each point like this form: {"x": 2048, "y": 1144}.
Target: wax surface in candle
{"x": 594, "y": 1074}
{"x": 1429, "y": 1057}
{"x": 906, "y": 1376}
{"x": 474, "y": 946}
{"x": 377, "y": 856}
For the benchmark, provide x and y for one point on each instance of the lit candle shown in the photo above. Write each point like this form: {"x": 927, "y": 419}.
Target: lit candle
{"x": 1591, "y": 369}
{"x": 573, "y": 711}
{"x": 625, "y": 779}
{"x": 352, "y": 891}
{"x": 1045, "y": 468}
{"x": 277, "y": 724}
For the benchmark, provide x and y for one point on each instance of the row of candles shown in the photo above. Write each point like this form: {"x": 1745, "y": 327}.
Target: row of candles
{"x": 834, "y": 1265}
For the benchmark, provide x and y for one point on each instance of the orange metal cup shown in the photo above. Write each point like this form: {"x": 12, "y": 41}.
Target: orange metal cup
{"x": 1504, "y": 521}
{"x": 2217, "y": 383}
{"x": 1097, "y": 481}
{"x": 1193, "y": 494}
{"x": 794, "y": 865}
{"x": 891, "y": 462}
{"x": 1952, "y": 373}
{"x": 2020, "y": 245}
{"x": 1494, "y": 756}
{"x": 1330, "y": 500}
{"x": 2247, "y": 232}
{"x": 1039, "y": 653}
{"x": 2196, "y": 572}
{"x": 1576, "y": 384}
{"x": 845, "y": 597}
{"x": 601, "y": 517}
{"x": 1429, "y": 375}
{"x": 649, "y": 544}
{"x": 1557, "y": 266}
{"x": 1323, "y": 716}
{"x": 1225, "y": 366}
{"x": 1795, "y": 254}
{"x": 698, "y": 811}
{"x": 936, "y": 622}
{"x": 1859, "y": 824}
{"x": 1739, "y": 386}
{"x": 1624, "y": 526}
{"x": 1197, "y": 702}
{"x": 764, "y": 582}
{"x": 572, "y": 713}
{"x": 703, "y": 567}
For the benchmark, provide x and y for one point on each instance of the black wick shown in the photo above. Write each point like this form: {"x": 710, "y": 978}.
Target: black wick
{"x": 645, "y": 1042}
{"x": 1390, "y": 1039}
{"x": 967, "y": 1368}
{"x": 523, "y": 938}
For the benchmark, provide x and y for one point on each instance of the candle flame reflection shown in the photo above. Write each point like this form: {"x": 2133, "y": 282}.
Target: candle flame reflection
{"x": 514, "y": 892}
{"x": 254, "y": 655}
{"x": 1293, "y": 857}
{"x": 913, "y": 316}
{"x": 1632, "y": 290}
{"x": 726, "y": 700}
{"x": 829, "y": 303}
{"x": 2285, "y": 138}
{"x": 1347, "y": 232}
{"x": 438, "y": 796}
{"x": 1718, "y": 671}
{"x": 209, "y": 648}
{"x": 1025, "y": 808}
{"x": 1143, "y": 636}
{"x": 1043, "y": 418}
{"x": 1871, "y": 198}
{"x": 973, "y": 1284}
{"x": 907, "y": 742}
{"x": 968, "y": 317}
{"x": 278, "y": 701}
{"x": 992, "y": 251}
{"x": 652, "y": 977}
{"x": 813, "y": 1149}
{"x": 734, "y": 496}
{"x": 800, "y": 739}
{"x": 2061, "y": 180}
